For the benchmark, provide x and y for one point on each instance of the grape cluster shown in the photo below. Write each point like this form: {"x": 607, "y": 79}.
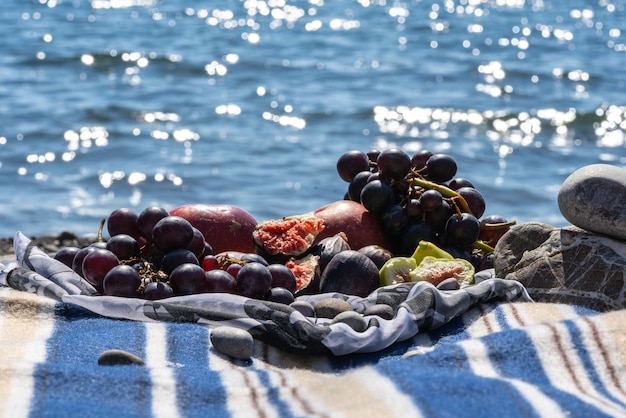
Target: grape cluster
{"x": 418, "y": 198}
{"x": 155, "y": 255}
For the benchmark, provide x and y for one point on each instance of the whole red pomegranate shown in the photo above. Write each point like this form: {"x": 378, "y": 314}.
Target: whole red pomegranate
{"x": 225, "y": 227}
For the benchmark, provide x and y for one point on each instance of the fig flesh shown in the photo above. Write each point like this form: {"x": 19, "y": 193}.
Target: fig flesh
{"x": 225, "y": 227}
{"x": 289, "y": 236}
{"x": 307, "y": 272}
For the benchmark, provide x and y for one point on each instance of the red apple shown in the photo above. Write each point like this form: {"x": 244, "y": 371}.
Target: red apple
{"x": 360, "y": 226}
{"x": 225, "y": 227}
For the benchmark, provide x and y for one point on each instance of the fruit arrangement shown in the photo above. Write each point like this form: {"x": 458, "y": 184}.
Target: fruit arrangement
{"x": 403, "y": 218}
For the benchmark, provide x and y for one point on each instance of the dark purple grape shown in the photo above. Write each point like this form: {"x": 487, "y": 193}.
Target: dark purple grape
{"x": 357, "y": 184}
{"x": 414, "y": 208}
{"x": 157, "y": 291}
{"x": 376, "y": 196}
{"x": 351, "y": 163}
{"x": 248, "y": 257}
{"x": 394, "y": 163}
{"x": 372, "y": 155}
{"x": 197, "y": 245}
{"x": 280, "y": 295}
{"x": 462, "y": 230}
{"x": 148, "y": 218}
{"x": 77, "y": 262}
{"x": 220, "y": 281}
{"x": 474, "y": 199}
{"x": 441, "y": 168}
{"x": 188, "y": 279}
{"x": 457, "y": 183}
{"x": 208, "y": 249}
{"x": 492, "y": 235}
{"x": 124, "y": 246}
{"x": 486, "y": 262}
{"x": 394, "y": 219}
{"x": 66, "y": 255}
{"x": 233, "y": 269}
{"x": 123, "y": 221}
{"x": 412, "y": 235}
{"x": 97, "y": 264}
{"x": 438, "y": 218}
{"x": 431, "y": 200}
{"x": 175, "y": 258}
{"x": 254, "y": 280}
{"x": 122, "y": 280}
{"x": 418, "y": 160}
{"x": 172, "y": 233}
{"x": 209, "y": 262}
{"x": 282, "y": 276}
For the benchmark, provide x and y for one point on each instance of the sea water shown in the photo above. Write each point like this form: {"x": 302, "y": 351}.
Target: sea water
{"x": 132, "y": 103}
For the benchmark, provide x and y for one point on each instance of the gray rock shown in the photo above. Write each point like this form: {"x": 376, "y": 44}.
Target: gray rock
{"x": 233, "y": 342}
{"x": 568, "y": 265}
{"x": 351, "y": 318}
{"x": 331, "y": 307}
{"x": 304, "y": 307}
{"x": 594, "y": 198}
{"x": 380, "y": 309}
{"x": 449, "y": 284}
{"x": 119, "y": 358}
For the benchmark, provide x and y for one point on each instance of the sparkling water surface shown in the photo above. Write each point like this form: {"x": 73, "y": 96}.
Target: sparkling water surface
{"x": 131, "y": 103}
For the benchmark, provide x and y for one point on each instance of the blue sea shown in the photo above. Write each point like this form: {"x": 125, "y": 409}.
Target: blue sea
{"x": 131, "y": 103}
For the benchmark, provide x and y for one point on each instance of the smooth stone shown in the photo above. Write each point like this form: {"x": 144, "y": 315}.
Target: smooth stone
{"x": 594, "y": 198}
{"x": 119, "y": 358}
{"x": 233, "y": 342}
{"x": 304, "y": 307}
{"x": 331, "y": 307}
{"x": 379, "y": 309}
{"x": 351, "y": 318}
{"x": 448, "y": 284}
{"x": 564, "y": 265}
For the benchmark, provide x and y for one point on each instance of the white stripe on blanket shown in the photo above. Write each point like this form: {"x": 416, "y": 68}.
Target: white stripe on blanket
{"x": 24, "y": 334}
{"x": 163, "y": 380}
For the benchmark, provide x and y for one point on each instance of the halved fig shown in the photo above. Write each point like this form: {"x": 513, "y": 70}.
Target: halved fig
{"x": 307, "y": 272}
{"x": 289, "y": 236}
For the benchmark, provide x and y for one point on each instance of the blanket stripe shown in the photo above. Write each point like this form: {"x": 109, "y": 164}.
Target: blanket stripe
{"x": 528, "y": 359}
{"x": 25, "y": 326}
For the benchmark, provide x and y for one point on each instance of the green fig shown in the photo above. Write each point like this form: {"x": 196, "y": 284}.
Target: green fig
{"x": 397, "y": 270}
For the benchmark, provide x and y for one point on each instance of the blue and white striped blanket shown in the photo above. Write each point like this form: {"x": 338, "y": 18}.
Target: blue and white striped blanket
{"x": 495, "y": 357}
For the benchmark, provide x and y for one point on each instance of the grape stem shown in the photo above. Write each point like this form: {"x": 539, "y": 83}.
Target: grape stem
{"x": 100, "y": 230}
{"x": 446, "y": 191}
{"x": 493, "y": 226}
{"x": 483, "y": 246}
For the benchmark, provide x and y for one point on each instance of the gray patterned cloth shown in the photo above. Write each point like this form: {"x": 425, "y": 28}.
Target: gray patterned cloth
{"x": 418, "y": 307}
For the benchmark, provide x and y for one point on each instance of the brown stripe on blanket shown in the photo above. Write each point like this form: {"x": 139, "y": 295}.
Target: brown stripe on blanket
{"x": 609, "y": 336}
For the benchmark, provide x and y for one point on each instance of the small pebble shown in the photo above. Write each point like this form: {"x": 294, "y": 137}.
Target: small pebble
{"x": 305, "y": 308}
{"x": 448, "y": 284}
{"x": 351, "y": 318}
{"x": 381, "y": 310}
{"x": 233, "y": 342}
{"x": 331, "y": 307}
{"x": 118, "y": 358}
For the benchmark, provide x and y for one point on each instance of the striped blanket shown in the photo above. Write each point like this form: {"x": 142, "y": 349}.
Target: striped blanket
{"x": 495, "y": 358}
